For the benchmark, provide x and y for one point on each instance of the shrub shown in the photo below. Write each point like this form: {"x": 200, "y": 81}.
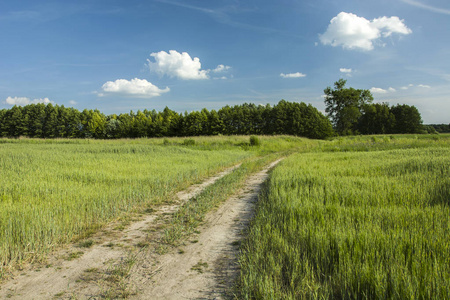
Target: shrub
{"x": 189, "y": 142}
{"x": 254, "y": 141}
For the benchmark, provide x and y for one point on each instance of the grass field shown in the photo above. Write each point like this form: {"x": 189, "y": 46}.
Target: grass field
{"x": 56, "y": 191}
{"x": 362, "y": 218}
{"x": 355, "y": 217}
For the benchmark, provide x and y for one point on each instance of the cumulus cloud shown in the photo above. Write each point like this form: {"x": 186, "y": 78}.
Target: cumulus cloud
{"x": 175, "y": 64}
{"x": 221, "y": 68}
{"x": 73, "y": 102}
{"x": 419, "y": 85}
{"x": 344, "y": 70}
{"x": 25, "y": 101}
{"x": 376, "y": 90}
{"x": 353, "y": 32}
{"x": 293, "y": 75}
{"x": 136, "y": 87}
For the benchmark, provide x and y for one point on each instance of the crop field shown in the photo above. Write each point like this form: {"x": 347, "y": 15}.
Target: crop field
{"x": 354, "y": 217}
{"x": 361, "y": 218}
{"x": 56, "y": 191}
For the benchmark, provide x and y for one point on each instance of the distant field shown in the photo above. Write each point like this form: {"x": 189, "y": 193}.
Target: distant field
{"x": 362, "y": 218}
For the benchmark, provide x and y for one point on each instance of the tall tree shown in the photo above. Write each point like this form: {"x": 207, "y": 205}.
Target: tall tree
{"x": 51, "y": 121}
{"x": 345, "y": 106}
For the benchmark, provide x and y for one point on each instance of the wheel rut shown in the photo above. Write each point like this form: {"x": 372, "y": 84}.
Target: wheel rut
{"x": 203, "y": 268}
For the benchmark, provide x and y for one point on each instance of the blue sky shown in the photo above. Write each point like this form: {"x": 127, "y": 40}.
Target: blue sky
{"x": 118, "y": 56}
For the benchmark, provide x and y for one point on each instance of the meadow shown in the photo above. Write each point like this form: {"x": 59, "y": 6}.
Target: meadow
{"x": 356, "y": 218}
{"x": 58, "y": 191}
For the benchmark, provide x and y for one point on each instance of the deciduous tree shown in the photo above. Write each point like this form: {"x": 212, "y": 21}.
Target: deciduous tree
{"x": 345, "y": 106}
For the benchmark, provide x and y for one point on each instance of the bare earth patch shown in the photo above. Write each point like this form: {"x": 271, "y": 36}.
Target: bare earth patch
{"x": 126, "y": 262}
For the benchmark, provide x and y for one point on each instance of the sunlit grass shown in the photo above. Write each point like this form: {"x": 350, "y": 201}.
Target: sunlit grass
{"x": 56, "y": 191}
{"x": 51, "y": 193}
{"x": 353, "y": 225}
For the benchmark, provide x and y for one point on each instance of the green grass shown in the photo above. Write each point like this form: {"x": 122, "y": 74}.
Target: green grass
{"x": 59, "y": 191}
{"x": 192, "y": 214}
{"x": 51, "y": 193}
{"x": 353, "y": 225}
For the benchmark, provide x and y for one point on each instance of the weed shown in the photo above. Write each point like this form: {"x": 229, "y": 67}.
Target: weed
{"x": 200, "y": 267}
{"x": 86, "y": 244}
{"x": 142, "y": 244}
{"x": 74, "y": 255}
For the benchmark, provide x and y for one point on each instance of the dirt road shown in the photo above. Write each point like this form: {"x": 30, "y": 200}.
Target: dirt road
{"x": 203, "y": 268}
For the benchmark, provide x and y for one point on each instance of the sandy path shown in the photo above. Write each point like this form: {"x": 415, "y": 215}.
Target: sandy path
{"x": 208, "y": 267}
{"x": 204, "y": 268}
{"x": 86, "y": 276}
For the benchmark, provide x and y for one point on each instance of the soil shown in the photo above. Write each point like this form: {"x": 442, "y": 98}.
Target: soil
{"x": 128, "y": 262}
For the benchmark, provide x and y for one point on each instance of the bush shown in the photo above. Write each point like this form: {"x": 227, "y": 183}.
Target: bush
{"x": 189, "y": 142}
{"x": 254, "y": 141}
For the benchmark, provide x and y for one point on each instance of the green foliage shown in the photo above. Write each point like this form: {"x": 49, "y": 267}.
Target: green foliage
{"x": 353, "y": 225}
{"x": 53, "y": 121}
{"x": 254, "y": 141}
{"x": 407, "y": 119}
{"x": 189, "y": 142}
{"x": 441, "y": 128}
{"x": 376, "y": 119}
{"x": 352, "y": 112}
{"x": 345, "y": 105}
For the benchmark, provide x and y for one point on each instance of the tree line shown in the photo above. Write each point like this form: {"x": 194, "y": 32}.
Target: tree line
{"x": 54, "y": 121}
{"x": 439, "y": 128}
{"x": 349, "y": 111}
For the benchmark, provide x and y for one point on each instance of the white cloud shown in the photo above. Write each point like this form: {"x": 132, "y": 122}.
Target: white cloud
{"x": 221, "y": 68}
{"x": 25, "y": 101}
{"x": 293, "y": 75}
{"x": 407, "y": 86}
{"x": 419, "y": 85}
{"x": 73, "y": 102}
{"x": 17, "y": 100}
{"x": 135, "y": 88}
{"x": 353, "y": 32}
{"x": 376, "y": 90}
{"x": 388, "y": 26}
{"x": 175, "y": 64}
{"x": 344, "y": 70}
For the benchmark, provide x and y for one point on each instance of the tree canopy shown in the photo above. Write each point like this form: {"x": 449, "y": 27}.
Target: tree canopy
{"x": 53, "y": 121}
{"x": 345, "y": 106}
{"x": 352, "y": 112}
